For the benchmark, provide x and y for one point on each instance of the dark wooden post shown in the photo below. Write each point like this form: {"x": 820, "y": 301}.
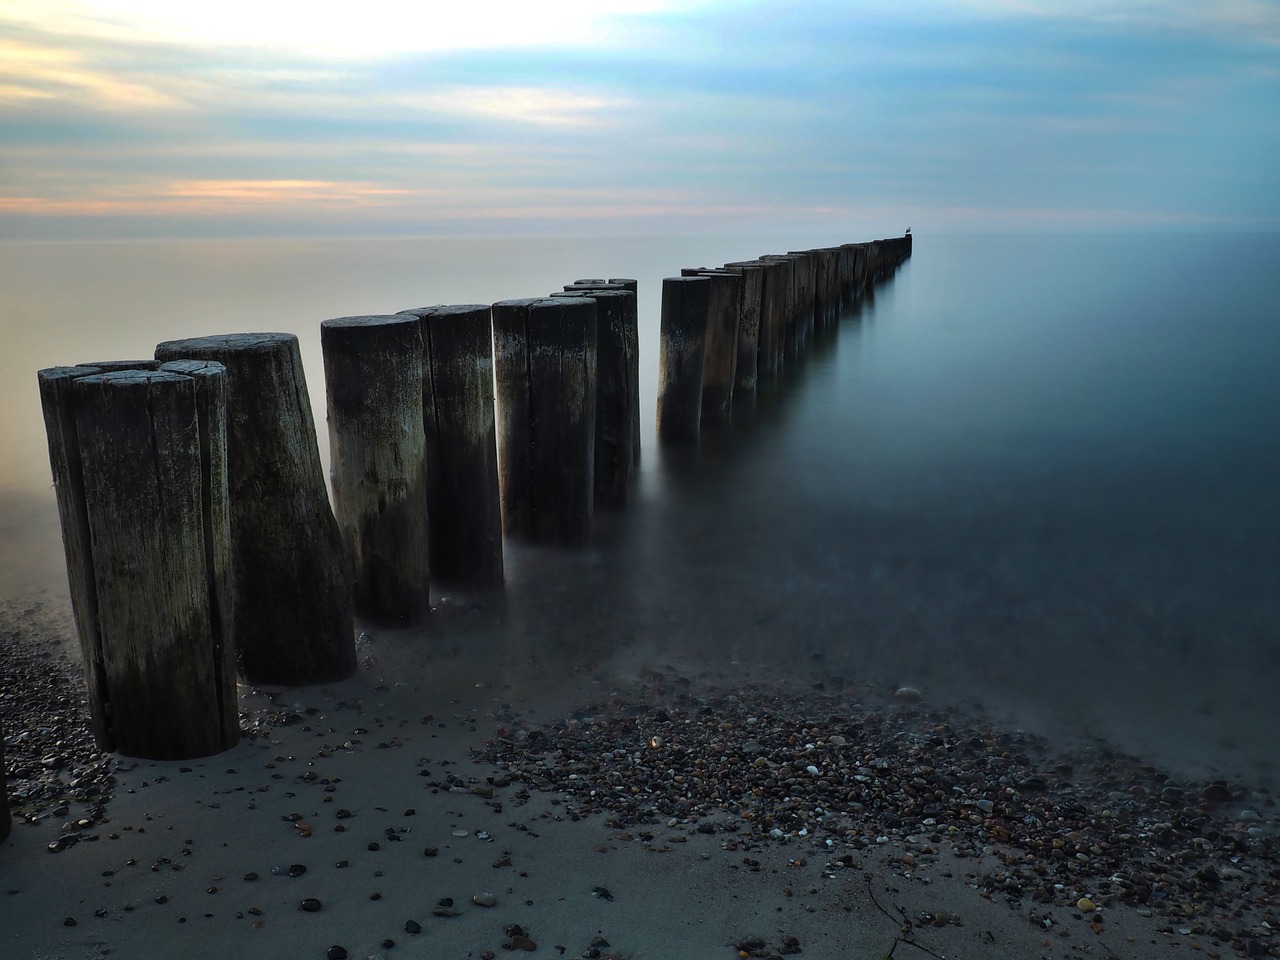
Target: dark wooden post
{"x": 790, "y": 331}
{"x": 720, "y": 359}
{"x": 685, "y": 301}
{"x": 631, "y": 344}
{"x": 848, "y": 273}
{"x": 614, "y": 444}
{"x": 68, "y": 483}
{"x": 378, "y": 463}
{"x": 464, "y": 509}
{"x": 749, "y": 324}
{"x": 514, "y": 414}
{"x": 803, "y": 298}
{"x": 293, "y": 615}
{"x": 156, "y": 549}
{"x": 544, "y": 366}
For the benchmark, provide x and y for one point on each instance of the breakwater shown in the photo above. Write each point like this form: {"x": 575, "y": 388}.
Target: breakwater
{"x": 563, "y": 417}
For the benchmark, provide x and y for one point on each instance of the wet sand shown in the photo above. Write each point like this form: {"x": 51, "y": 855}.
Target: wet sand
{"x": 461, "y": 768}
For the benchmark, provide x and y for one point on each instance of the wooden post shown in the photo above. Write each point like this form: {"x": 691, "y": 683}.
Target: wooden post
{"x": 514, "y": 414}
{"x": 749, "y": 329}
{"x": 720, "y": 359}
{"x": 68, "y": 483}
{"x": 805, "y": 303}
{"x": 544, "y": 367}
{"x": 790, "y": 333}
{"x": 378, "y": 464}
{"x": 848, "y": 273}
{"x": 631, "y": 346}
{"x": 156, "y": 556}
{"x": 293, "y": 616}
{"x": 685, "y": 301}
{"x": 614, "y": 443}
{"x": 464, "y": 509}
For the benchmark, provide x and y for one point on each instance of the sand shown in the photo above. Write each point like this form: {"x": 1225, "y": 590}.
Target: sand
{"x": 372, "y": 785}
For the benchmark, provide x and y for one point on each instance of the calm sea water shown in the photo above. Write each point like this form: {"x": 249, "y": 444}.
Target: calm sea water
{"x": 1039, "y": 473}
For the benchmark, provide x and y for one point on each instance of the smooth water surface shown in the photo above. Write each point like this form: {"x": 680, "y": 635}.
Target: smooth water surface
{"x": 1037, "y": 472}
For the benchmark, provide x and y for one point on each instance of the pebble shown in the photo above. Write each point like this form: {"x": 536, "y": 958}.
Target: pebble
{"x": 310, "y": 905}
{"x": 483, "y": 899}
{"x": 910, "y": 694}
{"x": 336, "y": 953}
{"x": 827, "y": 772}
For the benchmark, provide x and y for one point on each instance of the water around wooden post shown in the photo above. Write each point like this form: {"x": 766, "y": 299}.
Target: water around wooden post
{"x": 682, "y": 349}
{"x": 464, "y": 509}
{"x": 293, "y": 595}
{"x": 373, "y": 368}
{"x": 156, "y": 542}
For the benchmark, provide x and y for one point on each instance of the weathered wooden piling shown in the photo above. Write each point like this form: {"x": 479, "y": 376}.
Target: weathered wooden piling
{"x": 373, "y": 368}
{"x": 154, "y": 502}
{"x": 685, "y": 302}
{"x": 614, "y": 436}
{"x": 747, "y": 369}
{"x": 464, "y": 510}
{"x": 790, "y": 295}
{"x": 68, "y": 484}
{"x": 545, "y": 371}
{"x": 720, "y": 356}
{"x": 631, "y": 344}
{"x": 806, "y": 294}
{"x": 293, "y": 596}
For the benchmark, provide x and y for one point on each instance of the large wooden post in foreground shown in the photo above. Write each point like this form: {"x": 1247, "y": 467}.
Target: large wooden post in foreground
{"x": 685, "y": 301}
{"x": 139, "y": 468}
{"x": 545, "y": 370}
{"x": 154, "y": 495}
{"x": 373, "y": 388}
{"x": 464, "y": 511}
{"x": 293, "y": 615}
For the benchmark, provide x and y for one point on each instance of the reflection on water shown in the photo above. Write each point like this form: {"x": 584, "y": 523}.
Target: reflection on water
{"x": 1039, "y": 473}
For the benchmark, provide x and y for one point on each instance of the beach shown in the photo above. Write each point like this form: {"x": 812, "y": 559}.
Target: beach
{"x": 468, "y": 798}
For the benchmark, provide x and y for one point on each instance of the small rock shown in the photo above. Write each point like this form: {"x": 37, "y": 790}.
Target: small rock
{"x": 910, "y": 694}
{"x": 483, "y": 899}
{"x": 310, "y": 905}
{"x": 1085, "y": 904}
{"x": 336, "y": 953}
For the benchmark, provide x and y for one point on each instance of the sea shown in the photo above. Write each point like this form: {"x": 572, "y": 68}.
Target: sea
{"x": 1035, "y": 477}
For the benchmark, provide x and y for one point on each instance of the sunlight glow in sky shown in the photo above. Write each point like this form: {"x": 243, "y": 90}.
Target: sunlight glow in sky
{"x": 153, "y": 118}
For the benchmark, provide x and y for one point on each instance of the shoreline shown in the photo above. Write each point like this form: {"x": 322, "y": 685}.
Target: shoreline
{"x": 473, "y": 757}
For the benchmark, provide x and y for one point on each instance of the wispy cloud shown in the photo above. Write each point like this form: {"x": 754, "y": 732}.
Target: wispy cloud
{"x": 595, "y": 112}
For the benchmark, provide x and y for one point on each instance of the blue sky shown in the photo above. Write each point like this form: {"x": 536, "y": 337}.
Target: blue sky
{"x": 122, "y": 118}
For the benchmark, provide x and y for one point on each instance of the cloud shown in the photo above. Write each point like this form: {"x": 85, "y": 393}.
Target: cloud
{"x": 327, "y": 28}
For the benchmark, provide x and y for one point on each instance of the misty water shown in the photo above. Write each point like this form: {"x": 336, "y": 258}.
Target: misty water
{"x": 1033, "y": 475}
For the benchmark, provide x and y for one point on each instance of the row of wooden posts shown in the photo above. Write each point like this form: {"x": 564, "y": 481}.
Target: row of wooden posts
{"x": 199, "y": 536}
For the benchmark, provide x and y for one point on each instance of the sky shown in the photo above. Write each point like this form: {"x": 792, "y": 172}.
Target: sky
{"x": 156, "y": 118}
